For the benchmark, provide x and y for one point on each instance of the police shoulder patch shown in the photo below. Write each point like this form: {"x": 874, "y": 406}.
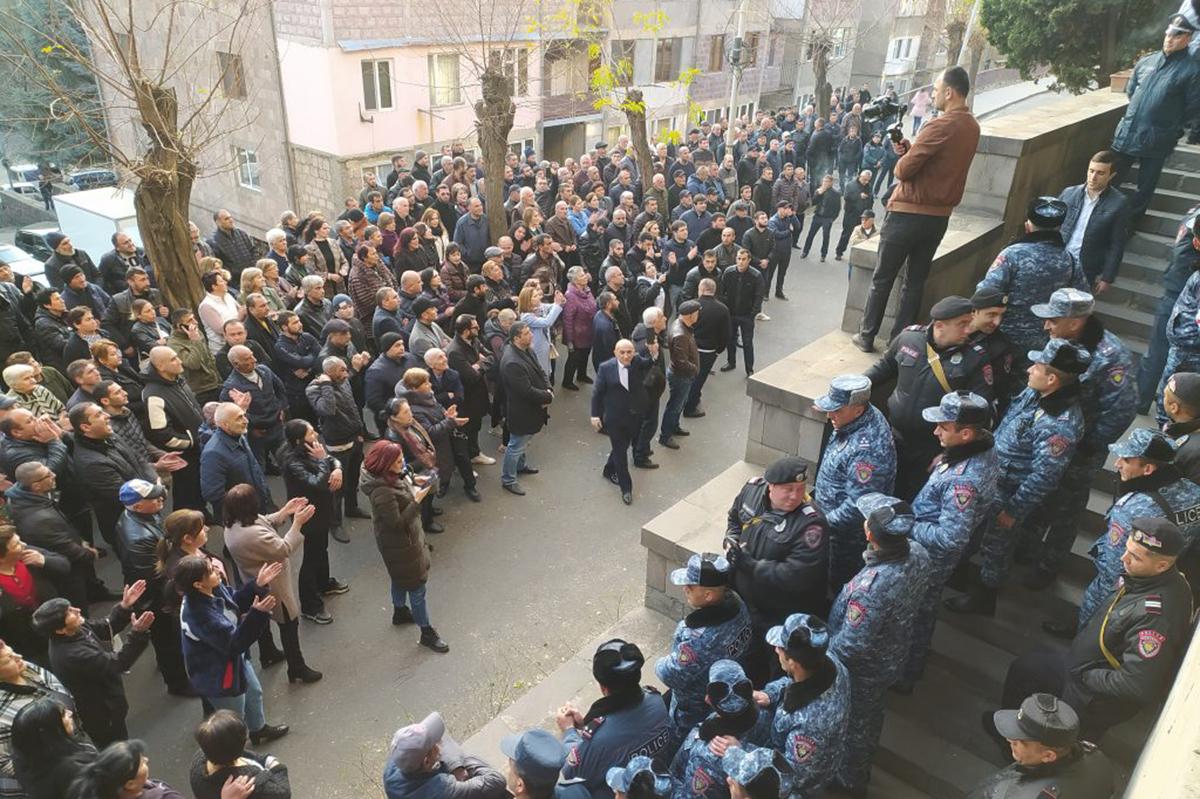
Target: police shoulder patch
{"x": 1057, "y": 445}
{"x": 1116, "y": 375}
{"x": 1116, "y": 534}
{"x": 855, "y": 613}
{"x": 803, "y": 748}
{"x": 1149, "y": 643}
{"x": 964, "y": 495}
{"x": 573, "y": 757}
{"x": 863, "y": 471}
{"x": 1049, "y": 792}
{"x": 701, "y": 781}
{"x": 812, "y": 537}
{"x": 987, "y": 373}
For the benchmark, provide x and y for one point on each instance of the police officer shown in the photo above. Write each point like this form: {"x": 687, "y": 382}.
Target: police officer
{"x": 1034, "y": 444}
{"x": 953, "y": 504}
{"x": 926, "y": 363}
{"x": 1185, "y": 260}
{"x": 627, "y": 721}
{"x": 717, "y": 628}
{"x": 1049, "y": 760}
{"x": 638, "y": 780}
{"x": 1181, "y": 400}
{"x": 871, "y": 623}
{"x": 987, "y": 312}
{"x": 1149, "y": 486}
{"x": 809, "y": 705}
{"x": 1109, "y": 403}
{"x": 778, "y": 547}
{"x": 1125, "y": 657}
{"x": 859, "y": 459}
{"x": 535, "y": 758}
{"x": 757, "y": 774}
{"x": 1029, "y": 270}
{"x": 1183, "y": 336}
{"x": 697, "y": 771}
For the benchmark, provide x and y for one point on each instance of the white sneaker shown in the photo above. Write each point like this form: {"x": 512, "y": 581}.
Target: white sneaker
{"x": 483, "y": 460}
{"x": 762, "y": 317}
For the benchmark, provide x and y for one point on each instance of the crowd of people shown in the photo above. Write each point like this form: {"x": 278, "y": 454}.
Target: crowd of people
{"x": 379, "y": 340}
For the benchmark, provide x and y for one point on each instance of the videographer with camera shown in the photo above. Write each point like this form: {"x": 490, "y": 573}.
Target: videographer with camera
{"x": 932, "y": 172}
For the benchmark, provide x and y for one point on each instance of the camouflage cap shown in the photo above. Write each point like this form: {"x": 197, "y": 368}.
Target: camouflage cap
{"x": 745, "y": 767}
{"x": 1066, "y": 303}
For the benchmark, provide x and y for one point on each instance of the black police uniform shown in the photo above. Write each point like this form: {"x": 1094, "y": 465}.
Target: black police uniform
{"x": 907, "y": 361}
{"x": 1002, "y": 355}
{"x": 780, "y": 565}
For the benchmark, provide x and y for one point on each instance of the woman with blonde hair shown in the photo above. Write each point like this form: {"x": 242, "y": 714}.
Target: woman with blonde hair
{"x": 541, "y": 317}
{"x": 436, "y": 237}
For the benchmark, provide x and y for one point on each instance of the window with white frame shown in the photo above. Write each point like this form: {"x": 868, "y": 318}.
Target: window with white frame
{"x": 377, "y": 84}
{"x": 746, "y": 110}
{"x": 840, "y": 39}
{"x": 444, "y": 86}
{"x": 381, "y": 172}
{"x": 662, "y": 127}
{"x": 247, "y": 168}
{"x": 518, "y": 147}
{"x": 903, "y": 48}
{"x": 515, "y": 63}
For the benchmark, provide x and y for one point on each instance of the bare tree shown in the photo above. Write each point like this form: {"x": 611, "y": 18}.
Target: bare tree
{"x": 833, "y": 30}
{"x": 162, "y": 116}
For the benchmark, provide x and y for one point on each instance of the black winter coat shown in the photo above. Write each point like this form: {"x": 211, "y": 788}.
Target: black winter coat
{"x": 527, "y": 389}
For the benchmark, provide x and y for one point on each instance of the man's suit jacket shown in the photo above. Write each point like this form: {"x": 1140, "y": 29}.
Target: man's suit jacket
{"x": 527, "y": 389}
{"x": 1103, "y": 244}
{"x": 611, "y": 401}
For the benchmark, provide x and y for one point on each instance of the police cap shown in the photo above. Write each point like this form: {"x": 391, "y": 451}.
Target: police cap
{"x": 617, "y": 662}
{"x": 708, "y": 570}
{"x": 844, "y": 390}
{"x": 537, "y": 754}
{"x": 1062, "y": 355}
{"x": 1145, "y": 443}
{"x": 1158, "y": 535}
{"x": 960, "y": 407}
{"x": 886, "y": 515}
{"x": 1043, "y": 718}
{"x": 799, "y": 634}
{"x": 1066, "y": 303}
{"x": 1178, "y": 23}
{"x": 621, "y": 778}
{"x": 729, "y": 689}
{"x": 989, "y": 298}
{"x": 950, "y": 307}
{"x": 1047, "y": 212}
{"x": 1186, "y": 388}
{"x": 790, "y": 469}
{"x": 763, "y": 772}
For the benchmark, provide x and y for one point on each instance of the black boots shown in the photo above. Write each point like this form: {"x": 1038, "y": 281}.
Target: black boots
{"x": 401, "y": 615}
{"x": 979, "y": 600}
{"x": 268, "y": 732}
{"x": 304, "y": 674}
{"x": 431, "y": 639}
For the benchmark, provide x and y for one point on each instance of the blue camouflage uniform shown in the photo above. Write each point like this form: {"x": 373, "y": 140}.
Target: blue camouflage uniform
{"x": 697, "y": 772}
{"x": 1034, "y": 444}
{"x": 745, "y": 765}
{"x": 808, "y": 719}
{"x": 871, "y": 622}
{"x": 1183, "y": 336}
{"x": 1109, "y": 402}
{"x": 620, "y": 778}
{"x": 703, "y": 637}
{"x": 859, "y": 459}
{"x": 1165, "y": 493}
{"x": 1028, "y": 271}
{"x": 951, "y": 506}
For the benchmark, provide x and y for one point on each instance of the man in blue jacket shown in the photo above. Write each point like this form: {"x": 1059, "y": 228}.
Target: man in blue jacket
{"x": 268, "y": 401}
{"x": 1097, "y": 217}
{"x": 227, "y": 460}
{"x": 1164, "y": 99}
{"x": 426, "y": 763}
{"x": 784, "y": 228}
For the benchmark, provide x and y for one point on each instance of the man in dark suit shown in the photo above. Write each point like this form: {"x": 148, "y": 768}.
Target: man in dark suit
{"x": 528, "y": 391}
{"x": 124, "y": 255}
{"x": 1095, "y": 228}
{"x": 616, "y": 407}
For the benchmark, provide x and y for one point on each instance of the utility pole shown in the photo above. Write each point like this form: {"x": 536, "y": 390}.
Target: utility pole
{"x": 736, "y": 54}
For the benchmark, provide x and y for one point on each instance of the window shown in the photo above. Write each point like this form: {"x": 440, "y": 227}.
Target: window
{"x": 903, "y": 48}
{"x": 515, "y": 66}
{"x": 777, "y": 44}
{"x": 716, "y": 53}
{"x": 377, "y": 84}
{"x": 666, "y": 59}
{"x": 381, "y": 172}
{"x": 247, "y": 168}
{"x": 444, "y": 88}
{"x": 750, "y": 49}
{"x": 613, "y": 133}
{"x": 841, "y": 38}
{"x": 123, "y": 41}
{"x": 661, "y": 128}
{"x": 746, "y": 110}
{"x": 913, "y": 8}
{"x": 233, "y": 79}
{"x": 624, "y": 56}
{"x": 518, "y": 147}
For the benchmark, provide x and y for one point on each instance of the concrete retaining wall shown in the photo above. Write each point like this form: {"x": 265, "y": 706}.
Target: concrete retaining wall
{"x": 19, "y": 211}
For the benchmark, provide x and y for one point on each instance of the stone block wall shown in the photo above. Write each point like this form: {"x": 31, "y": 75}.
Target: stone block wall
{"x": 318, "y": 181}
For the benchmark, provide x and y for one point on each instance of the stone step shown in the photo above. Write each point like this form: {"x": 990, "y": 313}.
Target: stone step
{"x": 1125, "y": 321}
{"x": 1173, "y": 179}
{"x": 1186, "y": 157}
{"x": 1153, "y": 245}
{"x": 1161, "y": 222}
{"x": 1171, "y": 201}
{"x": 1148, "y": 269}
{"x": 1136, "y": 293}
{"x": 938, "y": 766}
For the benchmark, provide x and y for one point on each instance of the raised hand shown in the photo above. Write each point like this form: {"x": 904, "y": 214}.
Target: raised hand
{"x": 268, "y": 572}
{"x": 132, "y": 594}
{"x": 264, "y": 603}
{"x": 142, "y": 623}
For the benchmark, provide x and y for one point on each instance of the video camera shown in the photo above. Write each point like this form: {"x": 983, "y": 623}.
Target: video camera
{"x": 885, "y": 107}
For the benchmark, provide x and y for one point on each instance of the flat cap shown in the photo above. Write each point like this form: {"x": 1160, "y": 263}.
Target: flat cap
{"x": 51, "y": 615}
{"x": 335, "y": 325}
{"x": 789, "y": 469}
{"x": 1145, "y": 443}
{"x": 1043, "y": 718}
{"x": 950, "y": 307}
{"x": 689, "y": 306}
{"x": 1066, "y": 303}
{"x": 1062, "y": 355}
{"x": 1158, "y": 535}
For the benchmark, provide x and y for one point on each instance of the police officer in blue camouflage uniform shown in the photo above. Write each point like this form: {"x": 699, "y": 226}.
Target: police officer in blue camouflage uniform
{"x": 809, "y": 706}
{"x": 638, "y": 780}
{"x": 1029, "y": 270}
{"x": 778, "y": 547}
{"x": 1109, "y": 403}
{"x": 717, "y": 628}
{"x": 950, "y": 508}
{"x": 1034, "y": 445}
{"x": 697, "y": 770}
{"x": 926, "y": 362}
{"x": 1125, "y": 657}
{"x": 859, "y": 459}
{"x": 627, "y": 721}
{"x": 535, "y": 758}
{"x": 1150, "y": 485}
{"x": 1181, "y": 399}
{"x": 757, "y": 773}
{"x": 871, "y": 623}
{"x": 1183, "y": 336}
{"x": 1185, "y": 260}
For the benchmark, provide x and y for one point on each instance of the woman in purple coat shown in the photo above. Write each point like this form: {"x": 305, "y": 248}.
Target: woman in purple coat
{"x": 578, "y": 311}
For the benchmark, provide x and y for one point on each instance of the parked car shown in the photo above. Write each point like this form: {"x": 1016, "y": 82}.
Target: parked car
{"x": 21, "y": 187}
{"x": 29, "y": 173}
{"x": 33, "y": 241}
{"x": 22, "y": 263}
{"x": 84, "y": 179}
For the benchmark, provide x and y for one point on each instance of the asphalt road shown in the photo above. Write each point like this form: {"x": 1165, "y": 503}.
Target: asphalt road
{"x": 518, "y": 584}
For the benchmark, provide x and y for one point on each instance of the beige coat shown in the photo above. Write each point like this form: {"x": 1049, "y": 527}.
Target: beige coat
{"x": 254, "y": 546}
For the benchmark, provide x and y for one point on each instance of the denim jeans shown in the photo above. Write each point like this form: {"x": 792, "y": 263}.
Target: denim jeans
{"x": 514, "y": 457}
{"x": 413, "y": 598}
{"x": 248, "y": 705}
{"x": 679, "y": 386}
{"x": 707, "y": 361}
